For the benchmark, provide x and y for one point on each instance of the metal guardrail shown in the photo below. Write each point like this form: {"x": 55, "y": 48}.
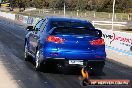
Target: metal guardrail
{"x": 110, "y": 23}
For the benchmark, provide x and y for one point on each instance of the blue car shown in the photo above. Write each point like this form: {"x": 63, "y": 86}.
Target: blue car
{"x": 71, "y": 42}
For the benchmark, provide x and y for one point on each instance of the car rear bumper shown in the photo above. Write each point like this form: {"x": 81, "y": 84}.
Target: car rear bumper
{"x": 75, "y": 55}
{"x": 65, "y": 62}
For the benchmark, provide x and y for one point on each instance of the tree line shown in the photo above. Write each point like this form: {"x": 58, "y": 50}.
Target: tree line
{"x": 96, "y": 5}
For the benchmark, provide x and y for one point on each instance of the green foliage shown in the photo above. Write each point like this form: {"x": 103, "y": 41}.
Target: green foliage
{"x": 97, "y": 5}
{"x": 4, "y": 0}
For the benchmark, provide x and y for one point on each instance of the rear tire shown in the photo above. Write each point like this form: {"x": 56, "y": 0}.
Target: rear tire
{"x": 97, "y": 70}
{"x": 62, "y": 70}
{"x": 38, "y": 61}
{"x": 26, "y": 55}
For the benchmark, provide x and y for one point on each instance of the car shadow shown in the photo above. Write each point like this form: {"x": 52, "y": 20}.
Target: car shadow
{"x": 52, "y": 68}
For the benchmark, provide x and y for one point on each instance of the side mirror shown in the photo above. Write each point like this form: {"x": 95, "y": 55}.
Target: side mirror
{"x": 30, "y": 28}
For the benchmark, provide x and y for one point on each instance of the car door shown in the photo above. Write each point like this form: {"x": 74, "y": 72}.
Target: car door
{"x": 34, "y": 36}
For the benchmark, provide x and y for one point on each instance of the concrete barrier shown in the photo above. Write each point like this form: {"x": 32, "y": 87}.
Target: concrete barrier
{"x": 27, "y": 19}
{"x": 21, "y": 18}
{"x": 7, "y": 15}
{"x": 110, "y": 23}
{"x": 119, "y": 41}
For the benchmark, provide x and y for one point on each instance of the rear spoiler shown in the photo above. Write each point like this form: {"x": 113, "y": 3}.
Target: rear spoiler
{"x": 100, "y": 32}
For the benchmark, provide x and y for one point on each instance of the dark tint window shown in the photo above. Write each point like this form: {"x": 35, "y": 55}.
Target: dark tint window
{"x": 71, "y": 24}
{"x": 38, "y": 25}
{"x": 77, "y": 31}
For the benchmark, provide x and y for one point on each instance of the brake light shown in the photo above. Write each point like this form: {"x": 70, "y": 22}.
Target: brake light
{"x": 97, "y": 42}
{"x": 55, "y": 39}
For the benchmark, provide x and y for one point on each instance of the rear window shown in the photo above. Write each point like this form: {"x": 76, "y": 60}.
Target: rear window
{"x": 77, "y": 31}
{"x": 71, "y": 24}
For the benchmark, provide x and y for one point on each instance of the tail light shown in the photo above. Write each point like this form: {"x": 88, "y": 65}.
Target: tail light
{"x": 55, "y": 39}
{"x": 97, "y": 42}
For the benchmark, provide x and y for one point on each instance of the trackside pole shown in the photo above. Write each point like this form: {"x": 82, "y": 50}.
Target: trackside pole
{"x": 64, "y": 10}
{"x": 113, "y": 15}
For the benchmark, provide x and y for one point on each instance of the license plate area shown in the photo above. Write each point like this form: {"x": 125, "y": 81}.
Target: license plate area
{"x": 76, "y": 62}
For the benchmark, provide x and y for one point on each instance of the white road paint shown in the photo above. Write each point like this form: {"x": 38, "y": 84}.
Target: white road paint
{"x": 119, "y": 57}
{"x": 6, "y": 79}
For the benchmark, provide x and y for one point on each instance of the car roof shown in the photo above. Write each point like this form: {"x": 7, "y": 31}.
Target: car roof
{"x": 66, "y": 19}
